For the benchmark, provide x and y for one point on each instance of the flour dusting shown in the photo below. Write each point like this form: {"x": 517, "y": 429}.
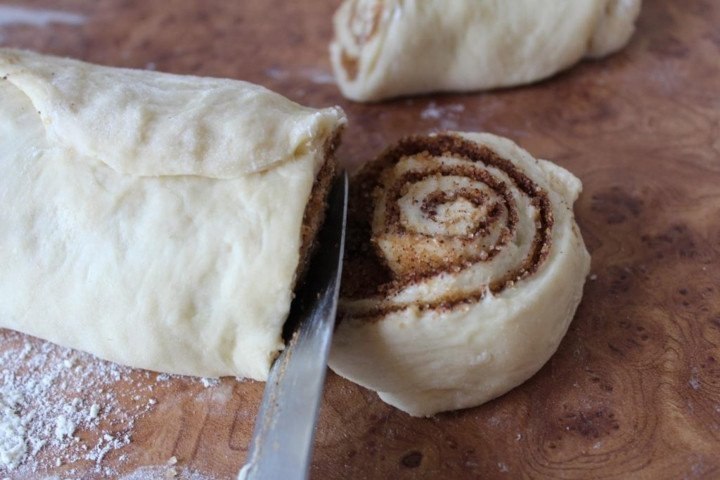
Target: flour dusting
{"x": 694, "y": 381}
{"x": 447, "y": 115}
{"x": 12, "y": 431}
{"x": 164, "y": 472}
{"x": 63, "y": 408}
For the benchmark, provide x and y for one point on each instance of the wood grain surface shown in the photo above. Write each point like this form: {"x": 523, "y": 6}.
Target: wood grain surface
{"x": 634, "y": 390}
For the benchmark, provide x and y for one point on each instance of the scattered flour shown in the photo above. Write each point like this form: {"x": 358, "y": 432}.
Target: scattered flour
{"x": 12, "y": 431}
{"x": 62, "y": 412}
{"x": 209, "y": 382}
{"x": 694, "y": 381}
{"x": 58, "y": 408}
{"x": 447, "y": 115}
{"x": 168, "y": 472}
{"x": 63, "y": 427}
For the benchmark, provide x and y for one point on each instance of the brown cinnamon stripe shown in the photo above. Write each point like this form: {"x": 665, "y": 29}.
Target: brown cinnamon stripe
{"x": 314, "y": 214}
{"x": 365, "y": 274}
{"x": 394, "y": 226}
{"x": 475, "y": 197}
{"x": 394, "y": 193}
{"x": 431, "y": 203}
{"x": 350, "y": 63}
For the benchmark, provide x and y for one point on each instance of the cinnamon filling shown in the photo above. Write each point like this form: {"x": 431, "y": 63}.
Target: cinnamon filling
{"x": 350, "y": 64}
{"x": 314, "y": 215}
{"x": 366, "y": 273}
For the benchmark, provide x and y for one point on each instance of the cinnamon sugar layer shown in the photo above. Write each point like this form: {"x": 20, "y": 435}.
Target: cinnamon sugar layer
{"x": 366, "y": 273}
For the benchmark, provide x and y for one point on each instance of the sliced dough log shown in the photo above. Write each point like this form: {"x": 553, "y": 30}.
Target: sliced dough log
{"x": 387, "y": 48}
{"x": 463, "y": 271}
{"x": 155, "y": 220}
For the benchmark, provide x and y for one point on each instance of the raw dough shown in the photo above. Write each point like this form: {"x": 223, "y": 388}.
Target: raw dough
{"x": 477, "y": 270}
{"x": 386, "y": 48}
{"x": 152, "y": 219}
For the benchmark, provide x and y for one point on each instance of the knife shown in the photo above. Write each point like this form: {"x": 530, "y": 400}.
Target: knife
{"x": 281, "y": 446}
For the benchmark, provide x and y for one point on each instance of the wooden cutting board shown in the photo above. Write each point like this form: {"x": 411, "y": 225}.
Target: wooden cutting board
{"x": 634, "y": 390}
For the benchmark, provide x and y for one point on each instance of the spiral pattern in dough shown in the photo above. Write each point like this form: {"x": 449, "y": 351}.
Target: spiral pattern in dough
{"x": 454, "y": 240}
{"x": 388, "y": 48}
{"x": 447, "y": 205}
{"x": 360, "y": 25}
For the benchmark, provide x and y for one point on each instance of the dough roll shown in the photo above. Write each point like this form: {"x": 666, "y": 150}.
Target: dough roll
{"x": 155, "y": 220}
{"x": 387, "y": 48}
{"x": 463, "y": 270}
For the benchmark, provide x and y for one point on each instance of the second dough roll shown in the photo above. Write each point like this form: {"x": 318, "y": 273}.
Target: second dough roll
{"x": 387, "y": 48}
{"x": 464, "y": 267}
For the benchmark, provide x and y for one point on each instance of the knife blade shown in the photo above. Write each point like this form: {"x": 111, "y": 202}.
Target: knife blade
{"x": 281, "y": 446}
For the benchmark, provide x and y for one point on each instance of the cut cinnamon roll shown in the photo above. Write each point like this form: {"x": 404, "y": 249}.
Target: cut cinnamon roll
{"x": 386, "y": 48}
{"x": 464, "y": 267}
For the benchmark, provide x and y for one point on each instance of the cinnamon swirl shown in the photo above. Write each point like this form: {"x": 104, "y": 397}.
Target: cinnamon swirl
{"x": 463, "y": 270}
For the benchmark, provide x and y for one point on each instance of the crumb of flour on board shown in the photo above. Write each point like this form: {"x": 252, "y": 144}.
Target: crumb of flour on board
{"x": 166, "y": 472}
{"x": 433, "y": 111}
{"x": 64, "y": 427}
{"x": 12, "y": 431}
{"x": 209, "y": 382}
{"x": 448, "y": 116}
{"x": 172, "y": 470}
{"x": 63, "y": 408}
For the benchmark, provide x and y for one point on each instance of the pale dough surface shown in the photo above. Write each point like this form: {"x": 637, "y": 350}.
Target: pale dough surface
{"x": 404, "y": 47}
{"x": 152, "y": 219}
{"x": 425, "y": 361}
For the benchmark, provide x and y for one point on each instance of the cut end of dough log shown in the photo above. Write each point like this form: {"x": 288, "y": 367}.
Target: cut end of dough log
{"x": 463, "y": 270}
